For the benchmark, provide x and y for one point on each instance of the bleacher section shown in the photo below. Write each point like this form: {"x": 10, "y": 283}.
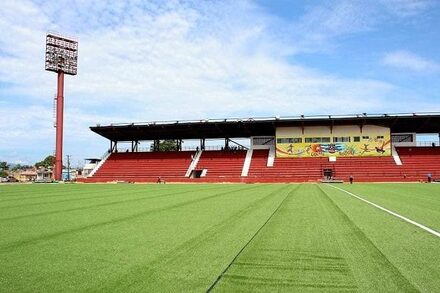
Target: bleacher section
{"x": 284, "y": 170}
{"x": 144, "y": 167}
{"x": 226, "y": 166}
{"x": 419, "y": 161}
{"x": 222, "y": 166}
{"x": 366, "y": 169}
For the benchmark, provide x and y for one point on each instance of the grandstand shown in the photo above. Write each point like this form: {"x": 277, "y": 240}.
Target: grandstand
{"x": 371, "y": 148}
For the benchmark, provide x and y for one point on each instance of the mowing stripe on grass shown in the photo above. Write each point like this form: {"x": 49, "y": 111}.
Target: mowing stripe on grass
{"x": 361, "y": 242}
{"x": 33, "y": 240}
{"x": 151, "y": 272}
{"x": 62, "y": 194}
{"x": 250, "y": 240}
{"x": 433, "y": 232}
{"x": 101, "y": 204}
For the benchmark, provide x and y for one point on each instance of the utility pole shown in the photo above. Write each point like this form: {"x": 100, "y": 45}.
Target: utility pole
{"x": 68, "y": 167}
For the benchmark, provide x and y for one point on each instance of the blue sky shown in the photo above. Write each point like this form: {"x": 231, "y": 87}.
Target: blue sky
{"x": 159, "y": 60}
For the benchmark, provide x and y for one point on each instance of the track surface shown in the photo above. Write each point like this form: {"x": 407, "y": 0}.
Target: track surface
{"x": 218, "y": 238}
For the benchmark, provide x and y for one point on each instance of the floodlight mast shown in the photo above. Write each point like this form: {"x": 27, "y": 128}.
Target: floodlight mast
{"x": 58, "y": 172}
{"x": 61, "y": 57}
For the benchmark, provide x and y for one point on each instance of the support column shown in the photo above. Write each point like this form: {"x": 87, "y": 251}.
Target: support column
{"x": 156, "y": 145}
{"x": 59, "y": 127}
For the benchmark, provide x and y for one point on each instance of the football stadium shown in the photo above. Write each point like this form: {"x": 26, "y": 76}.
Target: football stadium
{"x": 283, "y": 203}
{"x": 273, "y": 216}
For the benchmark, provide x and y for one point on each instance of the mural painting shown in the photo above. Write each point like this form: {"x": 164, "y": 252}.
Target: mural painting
{"x": 354, "y": 145}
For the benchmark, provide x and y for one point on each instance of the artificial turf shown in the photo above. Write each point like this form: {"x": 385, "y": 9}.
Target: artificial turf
{"x": 180, "y": 238}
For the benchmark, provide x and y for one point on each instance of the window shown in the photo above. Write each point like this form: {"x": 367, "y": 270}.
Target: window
{"x": 341, "y": 139}
{"x": 365, "y": 137}
{"x": 317, "y": 139}
{"x": 312, "y": 139}
{"x": 289, "y": 140}
{"x": 402, "y": 138}
{"x": 379, "y": 137}
{"x": 263, "y": 140}
{"x": 356, "y": 138}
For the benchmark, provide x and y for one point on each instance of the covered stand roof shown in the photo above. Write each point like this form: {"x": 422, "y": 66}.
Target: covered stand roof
{"x": 247, "y": 127}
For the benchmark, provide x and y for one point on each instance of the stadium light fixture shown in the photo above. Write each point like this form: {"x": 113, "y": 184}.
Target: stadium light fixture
{"x": 62, "y": 58}
{"x": 61, "y": 54}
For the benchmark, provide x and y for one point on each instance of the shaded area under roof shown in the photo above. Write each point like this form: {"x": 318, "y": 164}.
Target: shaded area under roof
{"x": 242, "y": 128}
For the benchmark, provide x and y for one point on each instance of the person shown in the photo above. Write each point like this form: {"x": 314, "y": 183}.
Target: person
{"x": 159, "y": 180}
{"x": 351, "y": 179}
{"x": 429, "y": 177}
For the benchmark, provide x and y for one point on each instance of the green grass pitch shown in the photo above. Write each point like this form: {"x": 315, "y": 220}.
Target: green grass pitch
{"x": 219, "y": 237}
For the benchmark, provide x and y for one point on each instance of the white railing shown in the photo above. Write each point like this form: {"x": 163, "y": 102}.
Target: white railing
{"x": 104, "y": 158}
{"x": 247, "y": 163}
{"x": 184, "y": 148}
{"x": 396, "y": 156}
{"x": 275, "y": 118}
{"x": 271, "y": 157}
{"x": 428, "y": 143}
{"x": 193, "y": 164}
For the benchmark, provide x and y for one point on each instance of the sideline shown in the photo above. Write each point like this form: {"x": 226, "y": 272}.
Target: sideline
{"x": 433, "y": 232}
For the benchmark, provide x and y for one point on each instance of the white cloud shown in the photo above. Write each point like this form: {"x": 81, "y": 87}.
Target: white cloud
{"x": 320, "y": 28}
{"x": 143, "y": 61}
{"x": 406, "y": 60}
{"x": 407, "y": 8}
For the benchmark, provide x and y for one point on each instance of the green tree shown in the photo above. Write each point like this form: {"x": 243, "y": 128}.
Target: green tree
{"x": 4, "y": 166}
{"x": 49, "y": 161}
{"x": 20, "y": 167}
{"x": 167, "y": 145}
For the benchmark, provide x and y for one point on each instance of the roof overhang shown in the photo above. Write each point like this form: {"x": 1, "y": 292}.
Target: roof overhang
{"x": 247, "y": 127}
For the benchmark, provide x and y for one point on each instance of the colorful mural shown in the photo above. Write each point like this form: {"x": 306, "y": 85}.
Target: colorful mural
{"x": 377, "y": 144}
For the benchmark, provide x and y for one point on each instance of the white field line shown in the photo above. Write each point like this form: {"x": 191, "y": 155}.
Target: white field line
{"x": 390, "y": 212}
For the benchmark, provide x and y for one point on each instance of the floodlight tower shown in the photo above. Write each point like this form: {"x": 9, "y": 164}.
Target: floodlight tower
{"x": 62, "y": 58}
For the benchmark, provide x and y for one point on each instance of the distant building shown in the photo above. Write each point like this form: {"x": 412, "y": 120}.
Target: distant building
{"x": 44, "y": 175}
{"x": 28, "y": 175}
{"x": 89, "y": 166}
{"x": 70, "y": 176}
